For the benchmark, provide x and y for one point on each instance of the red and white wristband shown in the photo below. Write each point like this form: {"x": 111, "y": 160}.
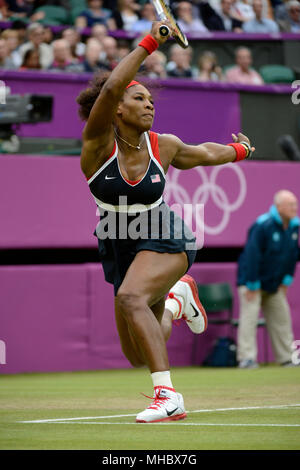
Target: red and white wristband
{"x": 242, "y": 149}
{"x": 149, "y": 43}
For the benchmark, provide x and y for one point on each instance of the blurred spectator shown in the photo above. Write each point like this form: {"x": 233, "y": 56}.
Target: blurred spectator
{"x": 21, "y": 27}
{"x": 99, "y": 31}
{"x": 126, "y": 14}
{"x": 242, "y": 10}
{"x": 5, "y": 61}
{"x": 35, "y": 33}
{"x": 123, "y": 49}
{"x": 63, "y": 60}
{"x": 20, "y": 8}
{"x": 144, "y": 24}
{"x": 221, "y": 20}
{"x": 93, "y": 51}
{"x": 268, "y": 8}
{"x": 260, "y": 24}
{"x": 110, "y": 4}
{"x": 12, "y": 41}
{"x": 57, "y": 3}
{"x": 209, "y": 70}
{"x": 48, "y": 35}
{"x": 242, "y": 72}
{"x": 292, "y": 23}
{"x": 109, "y": 57}
{"x": 74, "y": 39}
{"x": 95, "y": 14}
{"x": 12, "y": 38}
{"x": 280, "y": 11}
{"x": 180, "y": 62}
{"x": 155, "y": 65}
{"x": 4, "y": 15}
{"x": 186, "y": 19}
{"x": 31, "y": 60}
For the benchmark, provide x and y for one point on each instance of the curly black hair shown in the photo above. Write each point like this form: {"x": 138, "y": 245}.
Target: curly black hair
{"x": 87, "y": 97}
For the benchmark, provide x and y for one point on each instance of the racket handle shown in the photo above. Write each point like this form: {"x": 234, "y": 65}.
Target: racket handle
{"x": 164, "y": 30}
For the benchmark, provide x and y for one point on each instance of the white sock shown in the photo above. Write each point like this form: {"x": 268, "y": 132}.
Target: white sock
{"x": 162, "y": 379}
{"x": 173, "y": 304}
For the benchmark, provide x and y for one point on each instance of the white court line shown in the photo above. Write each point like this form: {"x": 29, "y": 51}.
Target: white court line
{"x": 57, "y": 420}
{"x": 82, "y": 418}
{"x": 173, "y": 423}
{"x": 271, "y": 407}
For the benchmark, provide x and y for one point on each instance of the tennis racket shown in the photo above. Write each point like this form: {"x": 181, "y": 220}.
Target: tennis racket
{"x": 164, "y": 13}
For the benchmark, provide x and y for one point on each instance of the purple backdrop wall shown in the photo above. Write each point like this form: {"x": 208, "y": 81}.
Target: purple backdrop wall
{"x": 196, "y": 112}
{"x": 174, "y": 111}
{"x": 61, "y": 318}
{"x": 45, "y": 202}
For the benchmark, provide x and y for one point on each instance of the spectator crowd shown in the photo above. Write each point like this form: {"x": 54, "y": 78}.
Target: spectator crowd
{"x": 30, "y": 43}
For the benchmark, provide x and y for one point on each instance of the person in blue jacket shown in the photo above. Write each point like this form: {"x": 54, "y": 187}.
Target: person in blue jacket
{"x": 265, "y": 270}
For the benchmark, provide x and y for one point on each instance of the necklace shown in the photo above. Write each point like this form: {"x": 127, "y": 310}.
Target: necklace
{"x": 137, "y": 147}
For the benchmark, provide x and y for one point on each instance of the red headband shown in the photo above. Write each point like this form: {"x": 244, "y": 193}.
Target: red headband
{"x": 133, "y": 82}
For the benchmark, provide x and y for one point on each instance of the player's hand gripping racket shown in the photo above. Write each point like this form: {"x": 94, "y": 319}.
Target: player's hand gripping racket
{"x": 164, "y": 13}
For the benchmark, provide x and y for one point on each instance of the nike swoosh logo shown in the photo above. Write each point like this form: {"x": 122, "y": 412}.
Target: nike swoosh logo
{"x": 110, "y": 177}
{"x": 169, "y": 413}
{"x": 196, "y": 313}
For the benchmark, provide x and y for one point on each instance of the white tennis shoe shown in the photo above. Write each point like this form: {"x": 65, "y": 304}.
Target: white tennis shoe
{"x": 167, "y": 405}
{"x": 185, "y": 291}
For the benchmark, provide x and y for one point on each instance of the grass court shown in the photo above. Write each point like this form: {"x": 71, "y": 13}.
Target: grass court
{"x": 228, "y": 409}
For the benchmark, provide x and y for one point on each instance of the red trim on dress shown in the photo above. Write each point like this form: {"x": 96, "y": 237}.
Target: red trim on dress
{"x": 113, "y": 150}
{"x": 132, "y": 182}
{"x": 154, "y": 145}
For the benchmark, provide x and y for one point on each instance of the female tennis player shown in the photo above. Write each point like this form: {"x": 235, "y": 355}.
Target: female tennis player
{"x": 125, "y": 166}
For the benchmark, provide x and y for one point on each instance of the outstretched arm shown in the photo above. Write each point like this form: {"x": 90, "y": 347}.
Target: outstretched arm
{"x": 189, "y": 156}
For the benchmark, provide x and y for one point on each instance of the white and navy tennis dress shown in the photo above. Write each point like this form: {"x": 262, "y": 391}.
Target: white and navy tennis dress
{"x": 134, "y": 216}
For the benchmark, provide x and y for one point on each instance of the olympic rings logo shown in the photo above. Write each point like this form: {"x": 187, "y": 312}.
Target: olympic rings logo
{"x": 209, "y": 188}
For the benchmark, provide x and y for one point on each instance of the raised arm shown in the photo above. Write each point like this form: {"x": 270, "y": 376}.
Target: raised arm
{"x": 186, "y": 156}
{"x": 99, "y": 124}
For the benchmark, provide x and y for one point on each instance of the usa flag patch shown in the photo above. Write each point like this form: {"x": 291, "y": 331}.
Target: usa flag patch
{"x": 155, "y": 178}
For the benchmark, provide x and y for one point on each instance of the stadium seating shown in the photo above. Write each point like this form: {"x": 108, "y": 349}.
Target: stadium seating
{"x": 54, "y": 15}
{"x": 277, "y": 74}
{"x": 77, "y": 6}
{"x": 217, "y": 298}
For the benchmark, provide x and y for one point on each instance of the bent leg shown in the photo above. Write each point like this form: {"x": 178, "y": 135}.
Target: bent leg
{"x": 148, "y": 279}
{"x": 129, "y": 345}
{"x": 164, "y": 317}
